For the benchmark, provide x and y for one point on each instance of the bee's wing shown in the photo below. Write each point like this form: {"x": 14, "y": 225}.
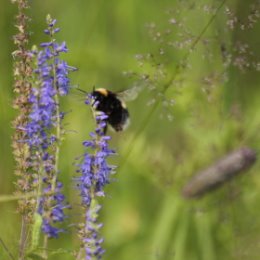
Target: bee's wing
{"x": 129, "y": 94}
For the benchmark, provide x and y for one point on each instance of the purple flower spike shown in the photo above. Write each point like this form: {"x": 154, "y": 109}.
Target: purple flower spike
{"x": 94, "y": 167}
{"x": 95, "y": 173}
{"x": 45, "y": 118}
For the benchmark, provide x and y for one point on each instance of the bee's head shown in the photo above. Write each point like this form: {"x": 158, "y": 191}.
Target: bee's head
{"x": 99, "y": 95}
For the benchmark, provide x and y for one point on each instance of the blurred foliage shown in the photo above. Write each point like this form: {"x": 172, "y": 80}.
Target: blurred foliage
{"x": 210, "y": 108}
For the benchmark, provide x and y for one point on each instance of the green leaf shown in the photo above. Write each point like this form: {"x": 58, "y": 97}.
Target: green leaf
{"x": 36, "y": 229}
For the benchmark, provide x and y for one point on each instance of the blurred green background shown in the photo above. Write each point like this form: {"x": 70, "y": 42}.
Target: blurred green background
{"x": 216, "y": 109}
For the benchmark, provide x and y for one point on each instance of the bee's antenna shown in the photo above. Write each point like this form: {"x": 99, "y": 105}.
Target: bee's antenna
{"x": 82, "y": 90}
{"x": 94, "y": 88}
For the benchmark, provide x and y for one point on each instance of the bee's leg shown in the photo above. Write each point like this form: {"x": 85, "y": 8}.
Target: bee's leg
{"x": 95, "y": 103}
{"x": 105, "y": 128}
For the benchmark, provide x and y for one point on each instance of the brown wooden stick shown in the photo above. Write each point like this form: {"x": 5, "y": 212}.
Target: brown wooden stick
{"x": 220, "y": 172}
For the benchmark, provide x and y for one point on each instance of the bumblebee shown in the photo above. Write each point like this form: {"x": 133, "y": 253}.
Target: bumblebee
{"x": 113, "y": 106}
